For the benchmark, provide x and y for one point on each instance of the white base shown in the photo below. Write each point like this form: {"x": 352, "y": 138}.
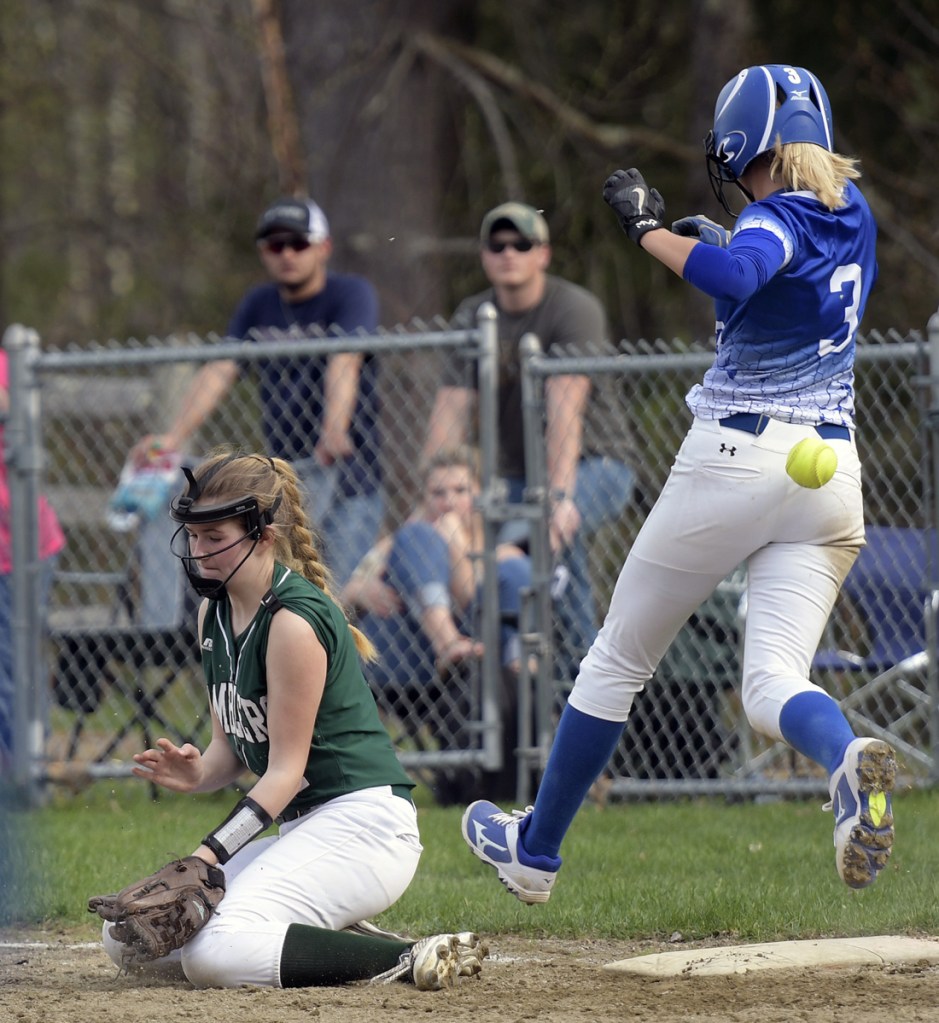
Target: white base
{"x": 783, "y": 955}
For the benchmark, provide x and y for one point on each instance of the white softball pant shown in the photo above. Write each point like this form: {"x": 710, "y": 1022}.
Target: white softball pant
{"x": 343, "y": 862}
{"x": 728, "y": 500}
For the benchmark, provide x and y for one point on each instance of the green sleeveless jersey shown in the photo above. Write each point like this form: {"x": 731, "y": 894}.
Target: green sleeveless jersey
{"x": 351, "y": 749}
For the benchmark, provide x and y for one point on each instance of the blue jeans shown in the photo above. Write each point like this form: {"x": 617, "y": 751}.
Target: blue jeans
{"x": 165, "y": 596}
{"x": 419, "y": 572}
{"x": 347, "y": 525}
{"x": 604, "y": 490}
{"x": 7, "y": 675}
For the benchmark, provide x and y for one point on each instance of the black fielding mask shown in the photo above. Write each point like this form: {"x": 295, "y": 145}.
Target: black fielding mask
{"x": 182, "y": 511}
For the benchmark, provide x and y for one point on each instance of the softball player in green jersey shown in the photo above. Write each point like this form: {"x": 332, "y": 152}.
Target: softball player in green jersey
{"x": 288, "y": 701}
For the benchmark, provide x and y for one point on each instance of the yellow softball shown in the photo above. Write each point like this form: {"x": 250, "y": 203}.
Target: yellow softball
{"x": 811, "y": 463}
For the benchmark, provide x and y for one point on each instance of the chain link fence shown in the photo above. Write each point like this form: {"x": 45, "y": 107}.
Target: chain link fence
{"x": 686, "y": 732}
{"x": 118, "y": 665}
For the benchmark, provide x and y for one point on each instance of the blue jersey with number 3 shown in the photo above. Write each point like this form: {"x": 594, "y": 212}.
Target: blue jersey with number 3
{"x": 789, "y": 294}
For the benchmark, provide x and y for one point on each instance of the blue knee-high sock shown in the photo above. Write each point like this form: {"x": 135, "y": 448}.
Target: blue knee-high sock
{"x": 813, "y": 724}
{"x": 582, "y": 747}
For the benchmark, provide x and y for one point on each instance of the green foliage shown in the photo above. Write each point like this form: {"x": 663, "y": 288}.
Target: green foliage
{"x": 702, "y": 868}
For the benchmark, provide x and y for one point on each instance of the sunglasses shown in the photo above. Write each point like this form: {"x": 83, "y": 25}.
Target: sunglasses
{"x": 277, "y": 245}
{"x": 520, "y": 245}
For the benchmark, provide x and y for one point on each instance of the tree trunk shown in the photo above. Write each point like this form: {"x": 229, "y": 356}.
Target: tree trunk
{"x": 380, "y": 153}
{"x": 282, "y": 126}
{"x": 376, "y": 138}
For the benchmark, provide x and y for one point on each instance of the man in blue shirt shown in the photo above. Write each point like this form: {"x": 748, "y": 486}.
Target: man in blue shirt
{"x": 321, "y": 414}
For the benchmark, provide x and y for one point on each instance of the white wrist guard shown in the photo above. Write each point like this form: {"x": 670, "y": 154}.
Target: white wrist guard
{"x": 245, "y": 822}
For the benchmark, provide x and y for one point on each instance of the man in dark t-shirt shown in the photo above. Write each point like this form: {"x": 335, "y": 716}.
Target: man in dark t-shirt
{"x": 321, "y": 414}
{"x": 588, "y": 447}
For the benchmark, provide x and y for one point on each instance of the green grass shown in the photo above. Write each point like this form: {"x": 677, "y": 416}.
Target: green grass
{"x": 704, "y": 868}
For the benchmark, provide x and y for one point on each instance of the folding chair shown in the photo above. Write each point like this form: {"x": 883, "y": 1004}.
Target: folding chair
{"x": 889, "y": 598}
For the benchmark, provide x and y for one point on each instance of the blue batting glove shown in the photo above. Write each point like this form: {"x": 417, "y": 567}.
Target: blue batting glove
{"x": 703, "y": 228}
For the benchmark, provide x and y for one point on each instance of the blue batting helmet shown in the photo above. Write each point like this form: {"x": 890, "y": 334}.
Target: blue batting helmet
{"x": 760, "y": 104}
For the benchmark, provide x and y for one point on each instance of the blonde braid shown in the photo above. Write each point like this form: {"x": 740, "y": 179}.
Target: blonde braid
{"x": 296, "y": 547}
{"x": 230, "y": 473}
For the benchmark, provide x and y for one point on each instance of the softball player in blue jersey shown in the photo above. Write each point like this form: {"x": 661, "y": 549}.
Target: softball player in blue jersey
{"x": 790, "y": 284}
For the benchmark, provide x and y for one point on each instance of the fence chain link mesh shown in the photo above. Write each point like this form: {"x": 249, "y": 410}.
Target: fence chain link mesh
{"x": 686, "y": 730}
{"x": 123, "y": 656}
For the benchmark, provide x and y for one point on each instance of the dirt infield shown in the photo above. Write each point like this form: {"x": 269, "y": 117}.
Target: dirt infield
{"x": 48, "y": 978}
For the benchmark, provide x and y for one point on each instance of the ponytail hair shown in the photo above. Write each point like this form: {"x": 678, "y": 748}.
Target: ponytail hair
{"x": 803, "y": 166}
{"x": 274, "y": 484}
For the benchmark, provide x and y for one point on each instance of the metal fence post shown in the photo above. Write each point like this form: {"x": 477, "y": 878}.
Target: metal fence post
{"x": 490, "y": 497}
{"x": 537, "y": 497}
{"x": 23, "y": 455}
{"x": 932, "y": 603}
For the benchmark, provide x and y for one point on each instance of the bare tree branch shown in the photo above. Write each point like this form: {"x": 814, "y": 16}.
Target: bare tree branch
{"x": 443, "y": 53}
{"x": 603, "y": 136}
{"x": 922, "y": 22}
{"x": 282, "y": 124}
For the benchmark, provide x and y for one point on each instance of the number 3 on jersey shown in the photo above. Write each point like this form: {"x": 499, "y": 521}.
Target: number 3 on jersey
{"x": 844, "y": 275}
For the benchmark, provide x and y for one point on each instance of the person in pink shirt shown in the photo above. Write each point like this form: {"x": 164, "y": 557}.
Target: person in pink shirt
{"x": 51, "y": 542}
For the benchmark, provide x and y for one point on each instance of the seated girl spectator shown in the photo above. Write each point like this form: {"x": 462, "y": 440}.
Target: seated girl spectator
{"x": 416, "y": 590}
{"x": 417, "y": 594}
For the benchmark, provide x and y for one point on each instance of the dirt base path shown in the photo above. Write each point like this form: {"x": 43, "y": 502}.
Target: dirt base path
{"x": 55, "y": 979}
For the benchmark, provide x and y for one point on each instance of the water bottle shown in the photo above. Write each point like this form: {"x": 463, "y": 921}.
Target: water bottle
{"x": 144, "y": 491}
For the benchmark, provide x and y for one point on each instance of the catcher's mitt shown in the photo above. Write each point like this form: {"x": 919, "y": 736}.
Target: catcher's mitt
{"x": 162, "y": 912}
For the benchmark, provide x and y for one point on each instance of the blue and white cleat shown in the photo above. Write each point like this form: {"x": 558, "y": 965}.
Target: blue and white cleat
{"x": 492, "y": 834}
{"x": 860, "y": 797}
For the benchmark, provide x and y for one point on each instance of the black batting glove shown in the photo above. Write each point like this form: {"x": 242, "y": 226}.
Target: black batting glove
{"x": 638, "y": 208}
{"x": 703, "y": 228}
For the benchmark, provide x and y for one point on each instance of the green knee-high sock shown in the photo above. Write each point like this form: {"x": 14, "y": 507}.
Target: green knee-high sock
{"x": 314, "y": 956}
